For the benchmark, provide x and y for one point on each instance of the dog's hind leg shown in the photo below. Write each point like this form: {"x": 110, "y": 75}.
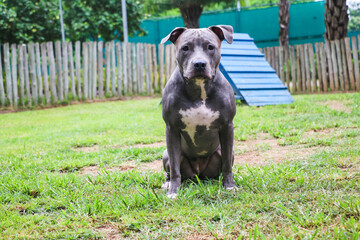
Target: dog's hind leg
{"x": 186, "y": 169}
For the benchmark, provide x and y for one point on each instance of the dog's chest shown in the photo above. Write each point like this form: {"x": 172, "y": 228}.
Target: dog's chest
{"x": 199, "y": 115}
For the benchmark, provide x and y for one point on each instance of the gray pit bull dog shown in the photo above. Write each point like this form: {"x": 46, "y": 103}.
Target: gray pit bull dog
{"x": 198, "y": 109}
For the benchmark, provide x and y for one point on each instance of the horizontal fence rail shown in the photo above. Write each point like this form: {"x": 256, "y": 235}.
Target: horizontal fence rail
{"x": 52, "y": 73}
{"x": 321, "y": 67}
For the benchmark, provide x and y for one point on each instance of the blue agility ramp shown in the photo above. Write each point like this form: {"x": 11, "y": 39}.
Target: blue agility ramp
{"x": 250, "y": 75}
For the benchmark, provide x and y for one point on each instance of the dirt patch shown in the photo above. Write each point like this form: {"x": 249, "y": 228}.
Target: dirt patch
{"x": 93, "y": 148}
{"x": 141, "y": 145}
{"x": 319, "y": 133}
{"x": 199, "y": 237}
{"x": 337, "y": 105}
{"x": 109, "y": 231}
{"x": 268, "y": 151}
{"x": 155, "y": 166}
{"x": 96, "y": 170}
{"x": 261, "y": 151}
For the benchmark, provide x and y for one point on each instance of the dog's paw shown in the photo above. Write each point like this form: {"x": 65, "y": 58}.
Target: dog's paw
{"x": 232, "y": 188}
{"x": 172, "y": 195}
{"x": 230, "y": 185}
{"x": 165, "y": 185}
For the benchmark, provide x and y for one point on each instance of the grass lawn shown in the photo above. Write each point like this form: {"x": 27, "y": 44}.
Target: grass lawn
{"x": 92, "y": 171}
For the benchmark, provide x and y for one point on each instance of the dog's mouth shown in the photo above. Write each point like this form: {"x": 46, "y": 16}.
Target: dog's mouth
{"x": 199, "y": 75}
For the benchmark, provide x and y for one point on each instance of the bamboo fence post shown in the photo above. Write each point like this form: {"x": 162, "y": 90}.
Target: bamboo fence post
{"x": 2, "y": 90}
{"x": 58, "y": 60}
{"x": 277, "y": 61}
{"x": 89, "y": 69}
{"x": 312, "y": 68}
{"x": 14, "y": 74}
{"x": 335, "y": 66}
{"x": 119, "y": 68}
{"x": 125, "y": 79}
{"x": 9, "y": 91}
{"x": 65, "y": 69}
{"x": 21, "y": 74}
{"x": 303, "y": 70}
{"x": 356, "y": 62}
{"x": 94, "y": 70}
{"x": 344, "y": 62}
{"x": 78, "y": 67}
{"x": 38, "y": 72}
{"x": 287, "y": 67}
{"x": 154, "y": 64}
{"x": 133, "y": 65}
{"x": 107, "y": 68}
{"x": 147, "y": 70}
{"x": 33, "y": 73}
{"x": 142, "y": 68}
{"x": 349, "y": 63}
{"x": 167, "y": 56}
{"x": 293, "y": 69}
{"x": 174, "y": 58}
{"x": 358, "y": 82}
{"x": 45, "y": 73}
{"x": 100, "y": 48}
{"x": 307, "y": 70}
{"x": 150, "y": 69}
{"x": 281, "y": 63}
{"x": 71, "y": 69}
{"x": 330, "y": 65}
{"x": 52, "y": 71}
{"x": 128, "y": 67}
{"x": 323, "y": 67}
{"x": 138, "y": 64}
{"x": 298, "y": 69}
{"x": 339, "y": 64}
{"x": 161, "y": 66}
{"x": 85, "y": 69}
{"x": 318, "y": 64}
{"x": 113, "y": 76}
{"x": 26, "y": 73}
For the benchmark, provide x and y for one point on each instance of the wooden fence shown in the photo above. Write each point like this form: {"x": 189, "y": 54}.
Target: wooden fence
{"x": 321, "y": 67}
{"x": 51, "y": 73}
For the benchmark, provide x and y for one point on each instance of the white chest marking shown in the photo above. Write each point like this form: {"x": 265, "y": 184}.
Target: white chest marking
{"x": 199, "y": 116}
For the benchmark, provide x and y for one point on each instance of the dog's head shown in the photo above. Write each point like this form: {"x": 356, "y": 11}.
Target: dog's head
{"x": 198, "y": 50}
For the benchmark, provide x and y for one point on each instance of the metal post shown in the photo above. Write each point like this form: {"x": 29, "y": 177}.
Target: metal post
{"x": 61, "y": 22}
{"x": 124, "y": 16}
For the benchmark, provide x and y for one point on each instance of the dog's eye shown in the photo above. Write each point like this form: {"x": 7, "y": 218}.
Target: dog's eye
{"x": 211, "y": 47}
{"x": 185, "y": 48}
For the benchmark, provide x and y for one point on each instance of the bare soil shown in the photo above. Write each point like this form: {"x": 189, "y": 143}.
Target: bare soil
{"x": 337, "y": 105}
{"x": 257, "y": 152}
{"x": 93, "y": 148}
{"x": 109, "y": 231}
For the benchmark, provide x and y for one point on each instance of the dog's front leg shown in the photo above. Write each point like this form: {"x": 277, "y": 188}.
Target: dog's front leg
{"x": 226, "y": 142}
{"x": 173, "y": 142}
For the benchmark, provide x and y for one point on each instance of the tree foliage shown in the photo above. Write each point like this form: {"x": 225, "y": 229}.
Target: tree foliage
{"x": 190, "y": 9}
{"x": 38, "y": 20}
{"x": 100, "y": 19}
{"x": 354, "y": 23}
{"x": 29, "y": 20}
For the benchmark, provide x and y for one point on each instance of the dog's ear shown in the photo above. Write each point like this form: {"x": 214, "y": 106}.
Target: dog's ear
{"x": 173, "y": 36}
{"x": 223, "y": 32}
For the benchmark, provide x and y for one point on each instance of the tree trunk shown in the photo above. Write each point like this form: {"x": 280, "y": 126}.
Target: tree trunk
{"x": 336, "y": 19}
{"x": 284, "y": 17}
{"x": 190, "y": 14}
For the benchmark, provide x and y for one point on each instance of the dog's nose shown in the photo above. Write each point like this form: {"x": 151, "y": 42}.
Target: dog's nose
{"x": 199, "y": 65}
